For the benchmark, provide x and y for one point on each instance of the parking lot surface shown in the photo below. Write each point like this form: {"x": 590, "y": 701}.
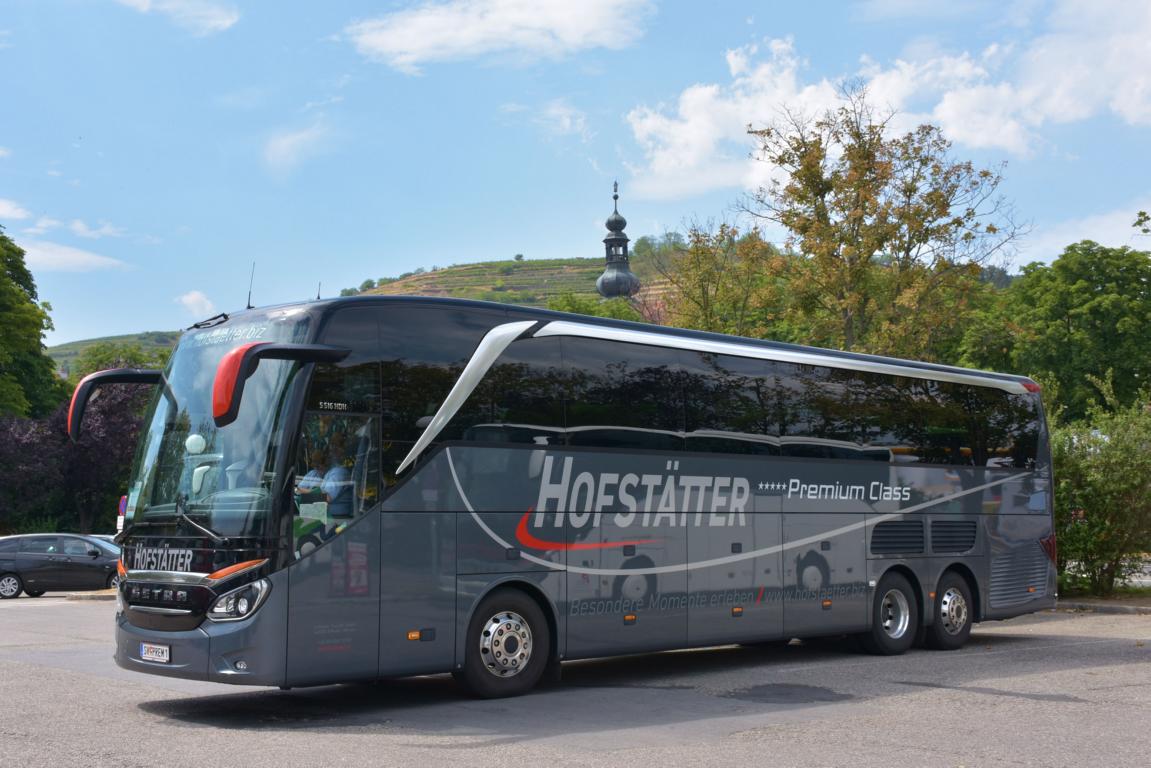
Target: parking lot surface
{"x": 1047, "y": 690}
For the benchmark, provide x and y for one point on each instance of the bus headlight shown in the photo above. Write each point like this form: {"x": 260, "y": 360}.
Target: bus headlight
{"x": 240, "y": 602}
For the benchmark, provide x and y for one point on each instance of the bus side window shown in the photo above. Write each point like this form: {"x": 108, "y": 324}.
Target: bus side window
{"x": 338, "y": 456}
{"x": 727, "y": 402}
{"x": 623, "y": 395}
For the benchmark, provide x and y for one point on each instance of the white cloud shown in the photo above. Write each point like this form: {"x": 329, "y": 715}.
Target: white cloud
{"x": 1091, "y": 58}
{"x": 53, "y": 257}
{"x": 701, "y": 144}
{"x": 42, "y": 225}
{"x": 1110, "y": 228}
{"x": 200, "y": 17}
{"x": 80, "y": 229}
{"x": 197, "y": 304}
{"x": 451, "y": 30}
{"x": 5, "y": 152}
{"x": 10, "y": 209}
{"x": 285, "y": 150}
{"x": 562, "y": 119}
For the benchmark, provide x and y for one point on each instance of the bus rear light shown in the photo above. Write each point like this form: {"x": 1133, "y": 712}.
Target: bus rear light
{"x": 1031, "y": 386}
{"x": 121, "y": 570}
{"x": 232, "y": 570}
{"x": 1051, "y": 547}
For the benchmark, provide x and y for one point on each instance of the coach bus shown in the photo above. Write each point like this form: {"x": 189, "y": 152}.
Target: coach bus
{"x": 375, "y": 487}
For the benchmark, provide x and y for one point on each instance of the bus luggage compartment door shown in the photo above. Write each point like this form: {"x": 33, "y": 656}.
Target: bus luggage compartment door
{"x": 737, "y": 600}
{"x": 620, "y": 600}
{"x": 824, "y": 570}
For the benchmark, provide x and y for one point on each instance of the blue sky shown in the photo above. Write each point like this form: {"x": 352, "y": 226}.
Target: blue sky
{"x": 151, "y": 150}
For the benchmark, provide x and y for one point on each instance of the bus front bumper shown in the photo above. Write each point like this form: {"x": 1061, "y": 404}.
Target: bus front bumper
{"x": 239, "y": 653}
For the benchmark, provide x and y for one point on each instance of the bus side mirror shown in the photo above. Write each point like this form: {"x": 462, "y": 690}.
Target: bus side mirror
{"x": 94, "y": 381}
{"x": 238, "y": 365}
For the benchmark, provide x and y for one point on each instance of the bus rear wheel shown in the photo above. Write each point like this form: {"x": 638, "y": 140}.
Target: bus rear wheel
{"x": 894, "y": 617}
{"x": 953, "y": 614}
{"x": 507, "y": 647}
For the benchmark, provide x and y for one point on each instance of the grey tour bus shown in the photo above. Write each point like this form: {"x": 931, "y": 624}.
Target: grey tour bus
{"x": 375, "y": 487}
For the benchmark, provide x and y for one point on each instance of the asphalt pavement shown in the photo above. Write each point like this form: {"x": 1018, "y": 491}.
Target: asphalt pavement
{"x": 1047, "y": 690}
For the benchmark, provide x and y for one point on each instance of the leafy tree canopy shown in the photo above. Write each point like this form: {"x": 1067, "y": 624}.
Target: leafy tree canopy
{"x": 892, "y": 232}
{"x": 28, "y": 384}
{"x": 582, "y": 304}
{"x": 1086, "y": 313}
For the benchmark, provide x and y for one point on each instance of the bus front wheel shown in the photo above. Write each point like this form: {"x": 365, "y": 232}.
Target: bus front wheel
{"x": 953, "y": 614}
{"x": 894, "y": 617}
{"x": 508, "y": 645}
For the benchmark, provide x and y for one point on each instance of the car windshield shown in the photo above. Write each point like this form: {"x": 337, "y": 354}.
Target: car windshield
{"x": 107, "y": 546}
{"x": 186, "y": 468}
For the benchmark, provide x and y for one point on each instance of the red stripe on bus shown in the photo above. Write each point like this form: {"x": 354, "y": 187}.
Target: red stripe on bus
{"x": 759, "y": 597}
{"x": 525, "y": 537}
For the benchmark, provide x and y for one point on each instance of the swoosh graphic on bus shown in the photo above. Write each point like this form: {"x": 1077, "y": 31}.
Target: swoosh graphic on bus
{"x": 681, "y": 567}
{"x": 525, "y": 537}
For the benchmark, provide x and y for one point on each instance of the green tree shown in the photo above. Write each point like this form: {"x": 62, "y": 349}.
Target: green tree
{"x": 105, "y": 355}
{"x": 1086, "y": 313}
{"x": 584, "y": 304}
{"x": 893, "y": 232}
{"x": 723, "y": 281}
{"x": 28, "y": 383}
{"x": 1103, "y": 491}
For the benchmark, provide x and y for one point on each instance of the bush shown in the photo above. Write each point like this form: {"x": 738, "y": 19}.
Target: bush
{"x": 1103, "y": 495}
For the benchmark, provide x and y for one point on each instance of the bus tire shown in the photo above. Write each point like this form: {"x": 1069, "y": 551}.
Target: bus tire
{"x": 508, "y": 645}
{"x": 951, "y": 625}
{"x": 894, "y": 617}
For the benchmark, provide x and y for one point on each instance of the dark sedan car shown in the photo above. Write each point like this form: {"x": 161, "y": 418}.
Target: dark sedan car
{"x": 38, "y": 562}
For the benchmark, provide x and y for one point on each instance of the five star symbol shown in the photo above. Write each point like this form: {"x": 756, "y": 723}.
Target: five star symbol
{"x": 773, "y": 486}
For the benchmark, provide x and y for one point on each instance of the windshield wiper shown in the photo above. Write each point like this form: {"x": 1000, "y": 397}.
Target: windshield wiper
{"x": 181, "y": 514}
{"x": 213, "y": 320}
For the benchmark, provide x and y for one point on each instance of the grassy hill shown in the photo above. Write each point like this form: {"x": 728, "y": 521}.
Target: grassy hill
{"x": 66, "y": 354}
{"x": 530, "y": 282}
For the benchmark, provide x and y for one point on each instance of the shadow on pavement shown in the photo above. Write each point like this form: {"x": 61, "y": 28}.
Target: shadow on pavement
{"x": 667, "y": 689}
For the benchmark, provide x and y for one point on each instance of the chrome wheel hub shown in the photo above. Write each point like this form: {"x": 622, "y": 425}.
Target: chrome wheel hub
{"x": 8, "y": 586}
{"x": 505, "y": 644}
{"x": 953, "y": 611}
{"x": 894, "y": 614}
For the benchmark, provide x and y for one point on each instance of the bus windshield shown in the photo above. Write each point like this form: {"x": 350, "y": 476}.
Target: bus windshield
{"x": 190, "y": 473}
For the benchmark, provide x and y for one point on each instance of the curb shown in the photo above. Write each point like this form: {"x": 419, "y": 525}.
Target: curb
{"x": 104, "y": 594}
{"x": 1137, "y": 610}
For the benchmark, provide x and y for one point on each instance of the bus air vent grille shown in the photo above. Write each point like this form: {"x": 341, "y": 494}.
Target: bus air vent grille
{"x": 952, "y": 536}
{"x": 898, "y": 537}
{"x": 1019, "y": 576}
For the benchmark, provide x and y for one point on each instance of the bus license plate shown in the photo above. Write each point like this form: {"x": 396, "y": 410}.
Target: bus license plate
{"x": 153, "y": 652}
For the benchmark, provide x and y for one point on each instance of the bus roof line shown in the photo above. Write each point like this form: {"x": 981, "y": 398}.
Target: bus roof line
{"x": 611, "y": 333}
